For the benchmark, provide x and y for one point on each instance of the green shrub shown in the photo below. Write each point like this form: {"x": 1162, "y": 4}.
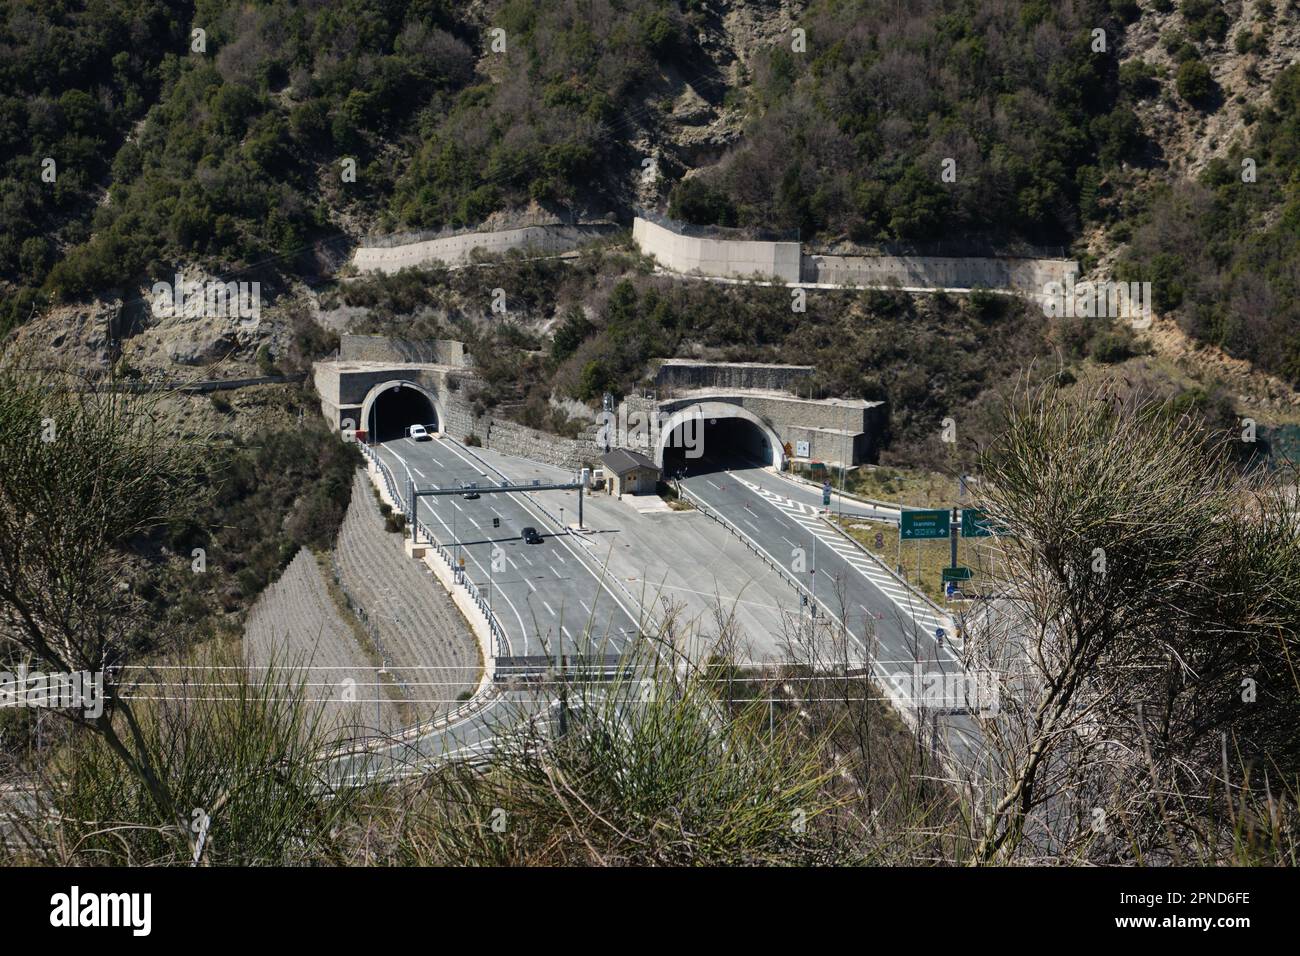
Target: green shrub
{"x": 1111, "y": 347}
{"x": 1205, "y": 19}
{"x": 1194, "y": 82}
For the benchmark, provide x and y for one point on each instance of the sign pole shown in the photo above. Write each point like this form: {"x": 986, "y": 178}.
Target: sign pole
{"x": 952, "y": 535}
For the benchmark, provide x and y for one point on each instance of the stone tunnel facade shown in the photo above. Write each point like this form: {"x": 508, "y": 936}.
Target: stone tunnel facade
{"x": 829, "y": 430}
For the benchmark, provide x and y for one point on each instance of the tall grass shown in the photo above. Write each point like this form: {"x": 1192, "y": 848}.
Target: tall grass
{"x": 240, "y": 752}
{"x": 649, "y": 771}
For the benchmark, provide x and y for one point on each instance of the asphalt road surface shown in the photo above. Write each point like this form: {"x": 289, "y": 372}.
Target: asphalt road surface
{"x": 869, "y": 603}
{"x": 545, "y": 595}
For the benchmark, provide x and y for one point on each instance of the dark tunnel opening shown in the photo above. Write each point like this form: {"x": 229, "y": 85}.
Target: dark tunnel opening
{"x": 715, "y": 444}
{"x": 398, "y": 407}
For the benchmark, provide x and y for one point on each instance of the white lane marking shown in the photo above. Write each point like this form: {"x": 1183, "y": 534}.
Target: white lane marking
{"x": 469, "y": 461}
{"x": 716, "y": 487}
{"x": 805, "y": 519}
{"x": 523, "y": 630}
{"x": 548, "y": 607}
{"x": 600, "y": 578}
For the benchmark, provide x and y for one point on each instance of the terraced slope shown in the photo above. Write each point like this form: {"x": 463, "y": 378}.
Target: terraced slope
{"x": 297, "y": 625}
{"x": 425, "y": 640}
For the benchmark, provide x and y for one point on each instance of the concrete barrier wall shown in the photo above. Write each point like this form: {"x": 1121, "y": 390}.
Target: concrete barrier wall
{"x": 784, "y": 262}
{"x": 383, "y": 348}
{"x": 693, "y": 373}
{"x": 457, "y": 250}
{"x": 932, "y": 272}
{"x": 727, "y": 258}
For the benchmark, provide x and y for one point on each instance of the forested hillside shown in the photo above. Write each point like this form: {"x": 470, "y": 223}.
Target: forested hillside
{"x": 263, "y": 140}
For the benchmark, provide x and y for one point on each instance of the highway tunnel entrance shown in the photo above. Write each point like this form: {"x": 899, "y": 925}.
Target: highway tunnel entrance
{"x": 715, "y": 443}
{"x": 398, "y": 406}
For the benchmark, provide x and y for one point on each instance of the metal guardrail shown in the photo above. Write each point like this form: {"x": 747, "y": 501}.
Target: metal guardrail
{"x": 758, "y": 549}
{"x": 459, "y": 576}
{"x": 884, "y": 566}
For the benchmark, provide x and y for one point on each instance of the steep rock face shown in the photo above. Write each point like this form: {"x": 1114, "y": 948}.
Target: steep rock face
{"x": 92, "y": 336}
{"x": 1187, "y": 137}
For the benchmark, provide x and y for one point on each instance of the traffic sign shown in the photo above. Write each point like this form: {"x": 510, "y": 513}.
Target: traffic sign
{"x": 975, "y": 523}
{"x": 957, "y": 574}
{"x": 923, "y": 524}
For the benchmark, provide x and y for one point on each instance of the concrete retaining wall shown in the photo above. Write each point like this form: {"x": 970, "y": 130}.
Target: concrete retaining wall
{"x": 931, "y": 272}
{"x": 458, "y": 250}
{"x": 728, "y": 258}
{"x": 785, "y": 262}
{"x": 382, "y": 348}
{"x": 693, "y": 373}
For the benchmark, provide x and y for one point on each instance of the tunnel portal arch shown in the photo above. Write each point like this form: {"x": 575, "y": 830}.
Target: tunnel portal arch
{"x": 710, "y": 413}
{"x": 390, "y": 407}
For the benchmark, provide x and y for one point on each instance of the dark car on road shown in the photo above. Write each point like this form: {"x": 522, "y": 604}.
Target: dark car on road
{"x": 531, "y": 536}
{"x": 470, "y": 492}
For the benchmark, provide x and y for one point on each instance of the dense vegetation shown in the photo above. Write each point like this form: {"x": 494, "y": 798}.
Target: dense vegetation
{"x": 232, "y": 157}
{"x": 849, "y": 138}
{"x": 553, "y": 123}
{"x": 73, "y": 78}
{"x": 1223, "y": 252}
{"x": 239, "y": 164}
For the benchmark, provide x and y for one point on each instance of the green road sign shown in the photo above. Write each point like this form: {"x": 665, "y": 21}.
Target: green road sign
{"x": 975, "y": 523}
{"x": 957, "y": 574}
{"x": 916, "y": 525}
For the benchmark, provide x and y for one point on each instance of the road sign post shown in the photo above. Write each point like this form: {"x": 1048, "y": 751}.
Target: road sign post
{"x": 952, "y": 536}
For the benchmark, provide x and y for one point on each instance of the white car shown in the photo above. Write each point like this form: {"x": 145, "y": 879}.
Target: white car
{"x": 419, "y": 433}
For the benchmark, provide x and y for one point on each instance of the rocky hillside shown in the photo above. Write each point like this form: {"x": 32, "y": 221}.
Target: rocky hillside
{"x": 297, "y": 128}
